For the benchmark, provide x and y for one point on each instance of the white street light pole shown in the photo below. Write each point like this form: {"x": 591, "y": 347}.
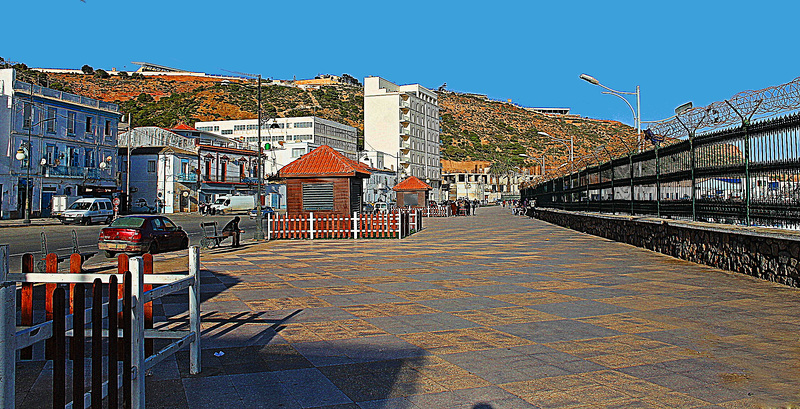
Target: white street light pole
{"x": 637, "y": 113}
{"x": 564, "y": 141}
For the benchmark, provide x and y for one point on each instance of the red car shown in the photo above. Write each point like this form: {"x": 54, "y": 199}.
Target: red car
{"x": 142, "y": 234}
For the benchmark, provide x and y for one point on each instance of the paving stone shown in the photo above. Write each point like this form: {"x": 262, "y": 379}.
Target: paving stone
{"x": 493, "y": 311}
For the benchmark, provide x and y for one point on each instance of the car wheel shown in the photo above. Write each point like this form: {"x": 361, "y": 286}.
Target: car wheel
{"x": 110, "y": 254}
{"x": 153, "y": 248}
{"x": 184, "y": 244}
{"x": 86, "y": 221}
{"x": 109, "y": 219}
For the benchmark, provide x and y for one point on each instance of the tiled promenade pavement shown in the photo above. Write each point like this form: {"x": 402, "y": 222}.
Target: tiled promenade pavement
{"x": 493, "y": 311}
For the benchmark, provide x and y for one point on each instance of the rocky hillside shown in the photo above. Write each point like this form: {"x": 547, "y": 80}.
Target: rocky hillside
{"x": 473, "y": 128}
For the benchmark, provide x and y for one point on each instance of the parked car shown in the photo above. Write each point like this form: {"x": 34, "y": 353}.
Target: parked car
{"x": 264, "y": 212}
{"x": 381, "y": 207}
{"x": 142, "y": 234}
{"x": 367, "y": 208}
{"x": 89, "y": 210}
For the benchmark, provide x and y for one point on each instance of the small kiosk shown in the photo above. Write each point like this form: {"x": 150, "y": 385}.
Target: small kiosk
{"x": 324, "y": 182}
{"x": 412, "y": 192}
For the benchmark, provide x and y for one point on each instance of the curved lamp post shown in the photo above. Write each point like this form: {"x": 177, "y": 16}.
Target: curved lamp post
{"x": 571, "y": 146}
{"x": 637, "y": 113}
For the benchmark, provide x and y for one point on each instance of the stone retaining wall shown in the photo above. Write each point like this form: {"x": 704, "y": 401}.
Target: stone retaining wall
{"x": 769, "y": 254}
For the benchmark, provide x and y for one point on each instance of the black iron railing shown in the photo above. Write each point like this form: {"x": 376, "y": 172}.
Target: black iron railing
{"x": 747, "y": 175}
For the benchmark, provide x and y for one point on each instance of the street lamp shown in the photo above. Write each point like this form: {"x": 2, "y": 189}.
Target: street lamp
{"x": 637, "y": 114}
{"x": 571, "y": 147}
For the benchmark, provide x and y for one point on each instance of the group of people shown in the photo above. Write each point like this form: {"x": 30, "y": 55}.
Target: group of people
{"x": 520, "y": 207}
{"x": 463, "y": 207}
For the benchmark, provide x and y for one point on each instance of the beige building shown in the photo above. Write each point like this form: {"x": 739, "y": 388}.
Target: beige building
{"x": 403, "y": 122}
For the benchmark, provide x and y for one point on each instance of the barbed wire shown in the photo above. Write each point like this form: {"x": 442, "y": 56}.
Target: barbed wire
{"x": 720, "y": 114}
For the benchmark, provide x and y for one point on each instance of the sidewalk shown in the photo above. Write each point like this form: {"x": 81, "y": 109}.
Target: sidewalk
{"x": 493, "y": 311}
{"x": 34, "y": 222}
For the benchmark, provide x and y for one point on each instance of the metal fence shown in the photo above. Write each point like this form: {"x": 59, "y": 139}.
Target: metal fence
{"x": 747, "y": 175}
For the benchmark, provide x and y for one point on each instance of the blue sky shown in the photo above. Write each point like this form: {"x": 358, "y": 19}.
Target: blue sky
{"x": 529, "y": 51}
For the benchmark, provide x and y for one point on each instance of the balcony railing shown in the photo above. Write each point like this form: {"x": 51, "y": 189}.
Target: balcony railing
{"x": 77, "y": 172}
{"x": 230, "y": 179}
{"x": 186, "y": 177}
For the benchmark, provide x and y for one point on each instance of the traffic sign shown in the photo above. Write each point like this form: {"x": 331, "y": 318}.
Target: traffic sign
{"x": 116, "y": 201}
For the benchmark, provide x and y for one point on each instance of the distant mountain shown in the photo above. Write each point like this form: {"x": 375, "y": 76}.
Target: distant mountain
{"x": 473, "y": 127}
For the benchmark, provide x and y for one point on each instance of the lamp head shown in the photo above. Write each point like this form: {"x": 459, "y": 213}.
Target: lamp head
{"x": 683, "y": 108}
{"x": 43, "y": 161}
{"x": 543, "y": 133}
{"x": 103, "y": 165}
{"x": 589, "y": 78}
{"x": 21, "y": 154}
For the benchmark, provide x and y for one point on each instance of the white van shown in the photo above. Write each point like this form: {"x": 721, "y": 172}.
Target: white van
{"x": 232, "y": 204}
{"x": 88, "y": 211}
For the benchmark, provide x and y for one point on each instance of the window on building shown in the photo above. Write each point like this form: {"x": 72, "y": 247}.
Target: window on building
{"x": 89, "y": 120}
{"x": 227, "y": 131}
{"x": 27, "y": 115}
{"x": 151, "y": 166}
{"x": 317, "y": 196}
{"x": 51, "y": 116}
{"x": 71, "y": 123}
{"x": 88, "y": 158}
{"x": 303, "y": 124}
{"x": 51, "y": 154}
{"x": 239, "y": 127}
{"x": 298, "y": 152}
{"x": 108, "y": 128}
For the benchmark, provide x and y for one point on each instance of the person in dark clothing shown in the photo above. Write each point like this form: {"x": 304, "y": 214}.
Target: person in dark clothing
{"x": 232, "y": 229}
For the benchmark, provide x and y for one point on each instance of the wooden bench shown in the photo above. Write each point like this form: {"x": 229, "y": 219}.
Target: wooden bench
{"x": 211, "y": 235}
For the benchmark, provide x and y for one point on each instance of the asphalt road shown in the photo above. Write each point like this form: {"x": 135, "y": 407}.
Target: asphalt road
{"x": 23, "y": 240}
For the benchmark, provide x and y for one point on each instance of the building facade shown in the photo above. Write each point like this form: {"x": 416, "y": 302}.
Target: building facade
{"x": 403, "y": 121}
{"x": 483, "y": 186}
{"x": 67, "y": 143}
{"x": 289, "y": 138}
{"x": 176, "y": 169}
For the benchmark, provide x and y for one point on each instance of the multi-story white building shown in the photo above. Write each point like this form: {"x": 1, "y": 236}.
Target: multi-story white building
{"x": 67, "y": 143}
{"x": 289, "y": 138}
{"x": 403, "y": 121}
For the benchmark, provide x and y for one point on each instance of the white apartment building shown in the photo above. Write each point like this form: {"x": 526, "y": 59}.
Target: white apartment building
{"x": 403, "y": 121}
{"x": 289, "y": 138}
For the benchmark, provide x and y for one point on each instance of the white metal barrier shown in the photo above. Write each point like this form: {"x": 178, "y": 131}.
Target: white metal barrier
{"x": 12, "y": 340}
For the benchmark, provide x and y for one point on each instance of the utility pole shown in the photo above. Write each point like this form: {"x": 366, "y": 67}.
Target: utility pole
{"x": 128, "y": 166}
{"x": 260, "y": 229}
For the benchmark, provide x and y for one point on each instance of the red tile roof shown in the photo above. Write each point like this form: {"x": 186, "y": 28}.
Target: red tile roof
{"x": 324, "y": 161}
{"x": 411, "y": 183}
{"x": 183, "y": 127}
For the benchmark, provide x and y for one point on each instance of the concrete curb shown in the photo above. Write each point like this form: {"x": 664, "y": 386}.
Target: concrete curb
{"x": 20, "y": 224}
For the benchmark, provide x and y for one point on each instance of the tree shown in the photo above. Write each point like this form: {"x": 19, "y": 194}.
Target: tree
{"x": 102, "y": 74}
{"x": 145, "y": 98}
{"x": 123, "y": 74}
{"x": 87, "y": 69}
